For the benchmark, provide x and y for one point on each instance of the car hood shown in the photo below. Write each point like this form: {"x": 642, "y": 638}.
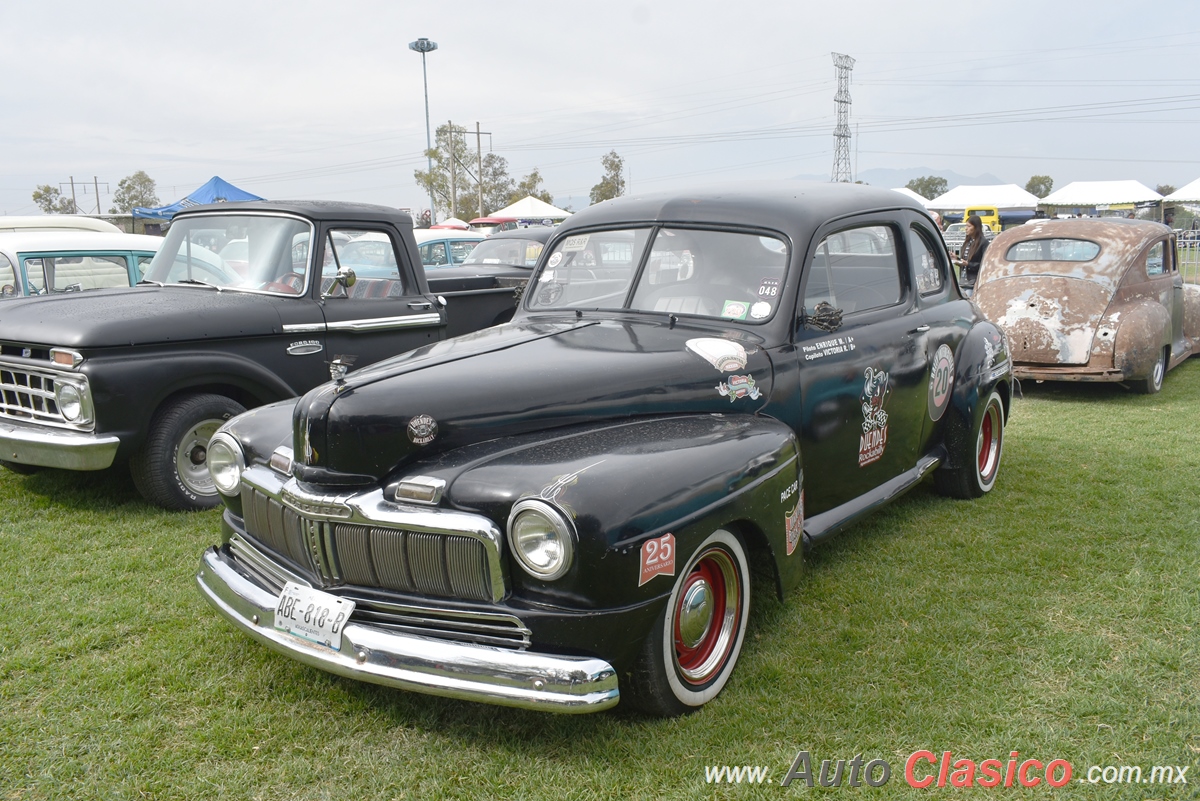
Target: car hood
{"x": 137, "y": 316}
{"x": 520, "y": 377}
{"x": 1049, "y": 319}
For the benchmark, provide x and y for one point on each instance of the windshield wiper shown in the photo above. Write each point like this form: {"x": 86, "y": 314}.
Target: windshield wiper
{"x": 197, "y": 282}
{"x": 148, "y": 281}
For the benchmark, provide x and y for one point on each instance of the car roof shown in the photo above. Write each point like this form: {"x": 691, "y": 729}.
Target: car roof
{"x": 314, "y": 209}
{"x": 426, "y": 235}
{"x": 795, "y": 208}
{"x": 538, "y": 233}
{"x": 55, "y": 222}
{"x": 38, "y": 241}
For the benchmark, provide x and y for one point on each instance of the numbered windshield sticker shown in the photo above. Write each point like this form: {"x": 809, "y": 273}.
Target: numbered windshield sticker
{"x": 941, "y": 381}
{"x": 769, "y": 289}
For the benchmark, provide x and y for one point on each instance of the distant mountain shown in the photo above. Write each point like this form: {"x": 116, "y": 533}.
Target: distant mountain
{"x": 892, "y": 179}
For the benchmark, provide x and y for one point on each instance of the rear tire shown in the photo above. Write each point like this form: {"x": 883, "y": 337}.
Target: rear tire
{"x": 694, "y": 644}
{"x": 977, "y": 456}
{"x": 1152, "y": 384}
{"x": 169, "y": 469}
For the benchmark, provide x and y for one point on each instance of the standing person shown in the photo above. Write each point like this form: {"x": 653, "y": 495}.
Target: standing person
{"x": 971, "y": 254}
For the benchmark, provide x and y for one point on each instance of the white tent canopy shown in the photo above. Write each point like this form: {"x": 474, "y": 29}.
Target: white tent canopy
{"x": 904, "y": 190}
{"x": 1188, "y": 194}
{"x": 531, "y": 208}
{"x": 1101, "y": 193}
{"x": 999, "y": 196}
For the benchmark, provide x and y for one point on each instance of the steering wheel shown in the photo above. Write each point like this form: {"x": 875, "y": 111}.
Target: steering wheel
{"x": 289, "y": 283}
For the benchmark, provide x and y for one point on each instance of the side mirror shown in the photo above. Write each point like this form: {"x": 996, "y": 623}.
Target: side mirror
{"x": 345, "y": 277}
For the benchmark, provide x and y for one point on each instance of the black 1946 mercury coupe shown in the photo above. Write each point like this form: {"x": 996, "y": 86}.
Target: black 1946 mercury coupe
{"x": 563, "y": 511}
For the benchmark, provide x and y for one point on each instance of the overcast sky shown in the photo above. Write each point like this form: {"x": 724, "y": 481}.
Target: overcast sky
{"x": 324, "y": 100}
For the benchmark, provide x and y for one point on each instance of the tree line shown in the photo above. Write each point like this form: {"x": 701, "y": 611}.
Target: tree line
{"x": 931, "y": 186}
{"x": 133, "y": 190}
{"x": 463, "y": 181}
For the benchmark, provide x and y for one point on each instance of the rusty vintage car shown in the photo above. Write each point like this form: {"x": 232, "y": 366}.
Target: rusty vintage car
{"x": 1091, "y": 300}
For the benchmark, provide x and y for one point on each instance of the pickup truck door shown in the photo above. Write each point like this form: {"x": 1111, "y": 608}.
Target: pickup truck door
{"x": 862, "y": 384}
{"x": 383, "y": 313}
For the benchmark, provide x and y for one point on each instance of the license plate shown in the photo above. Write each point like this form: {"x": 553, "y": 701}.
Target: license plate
{"x": 312, "y": 614}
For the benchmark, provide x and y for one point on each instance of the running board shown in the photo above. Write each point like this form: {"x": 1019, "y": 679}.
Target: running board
{"x": 822, "y": 526}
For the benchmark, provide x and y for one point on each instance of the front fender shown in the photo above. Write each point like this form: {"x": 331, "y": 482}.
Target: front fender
{"x": 127, "y": 389}
{"x": 982, "y": 364}
{"x": 623, "y": 484}
{"x": 1144, "y": 330}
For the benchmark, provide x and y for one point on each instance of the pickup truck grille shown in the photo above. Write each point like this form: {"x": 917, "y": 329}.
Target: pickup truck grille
{"x": 435, "y": 564}
{"x": 28, "y": 394}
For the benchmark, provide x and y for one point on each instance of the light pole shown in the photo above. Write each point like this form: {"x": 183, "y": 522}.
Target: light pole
{"x": 424, "y": 46}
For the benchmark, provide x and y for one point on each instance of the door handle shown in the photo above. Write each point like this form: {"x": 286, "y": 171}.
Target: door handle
{"x": 920, "y": 329}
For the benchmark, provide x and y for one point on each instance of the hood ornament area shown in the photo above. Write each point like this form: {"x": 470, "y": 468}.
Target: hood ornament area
{"x": 338, "y": 368}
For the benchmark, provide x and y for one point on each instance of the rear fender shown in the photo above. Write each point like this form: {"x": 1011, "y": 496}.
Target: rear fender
{"x": 1144, "y": 330}
{"x": 670, "y": 480}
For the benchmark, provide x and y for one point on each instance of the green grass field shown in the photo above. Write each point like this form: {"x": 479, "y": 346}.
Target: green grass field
{"x": 1058, "y": 617}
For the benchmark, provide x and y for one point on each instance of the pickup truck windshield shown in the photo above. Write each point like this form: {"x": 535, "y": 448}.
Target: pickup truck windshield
{"x": 247, "y": 252}
{"x": 734, "y": 276}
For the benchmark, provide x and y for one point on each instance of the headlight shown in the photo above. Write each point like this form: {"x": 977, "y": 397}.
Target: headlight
{"x": 70, "y": 401}
{"x": 541, "y": 539}
{"x": 226, "y": 463}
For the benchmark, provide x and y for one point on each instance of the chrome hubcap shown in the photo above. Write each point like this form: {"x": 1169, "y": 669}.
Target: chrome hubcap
{"x": 695, "y": 614}
{"x": 190, "y": 457}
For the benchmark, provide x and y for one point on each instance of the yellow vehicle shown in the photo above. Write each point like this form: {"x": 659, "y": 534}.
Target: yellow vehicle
{"x": 988, "y": 215}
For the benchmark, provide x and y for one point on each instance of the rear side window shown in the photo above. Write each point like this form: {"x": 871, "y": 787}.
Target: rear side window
{"x": 8, "y": 278}
{"x": 1053, "y": 250}
{"x": 927, "y": 265}
{"x": 855, "y": 270}
{"x": 1154, "y": 260}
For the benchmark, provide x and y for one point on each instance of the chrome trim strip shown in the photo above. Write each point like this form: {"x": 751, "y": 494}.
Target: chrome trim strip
{"x": 304, "y": 328}
{"x": 523, "y": 679}
{"x": 382, "y": 323}
{"x": 48, "y": 447}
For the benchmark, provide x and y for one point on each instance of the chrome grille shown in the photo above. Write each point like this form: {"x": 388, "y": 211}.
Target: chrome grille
{"x": 497, "y": 630}
{"x": 28, "y": 394}
{"x": 444, "y": 565}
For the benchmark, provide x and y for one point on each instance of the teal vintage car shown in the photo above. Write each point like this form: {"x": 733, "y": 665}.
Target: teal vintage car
{"x": 47, "y": 262}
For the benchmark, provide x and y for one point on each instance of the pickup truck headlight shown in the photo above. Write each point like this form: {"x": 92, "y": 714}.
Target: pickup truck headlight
{"x": 226, "y": 462}
{"x": 70, "y": 401}
{"x": 541, "y": 538}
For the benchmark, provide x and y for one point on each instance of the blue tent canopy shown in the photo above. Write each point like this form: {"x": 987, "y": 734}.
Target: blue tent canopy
{"x": 217, "y": 190}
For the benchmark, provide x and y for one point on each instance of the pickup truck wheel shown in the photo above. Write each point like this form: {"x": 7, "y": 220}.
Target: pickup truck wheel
{"x": 1152, "y": 383}
{"x": 20, "y": 469}
{"x": 169, "y": 469}
{"x": 693, "y": 646}
{"x": 978, "y": 456}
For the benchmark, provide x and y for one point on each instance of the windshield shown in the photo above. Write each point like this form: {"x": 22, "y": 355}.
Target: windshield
{"x": 734, "y": 276}
{"x": 249, "y": 252}
{"x": 513, "y": 252}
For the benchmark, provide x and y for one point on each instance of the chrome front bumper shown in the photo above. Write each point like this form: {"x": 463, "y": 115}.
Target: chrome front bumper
{"x": 543, "y": 682}
{"x": 33, "y": 444}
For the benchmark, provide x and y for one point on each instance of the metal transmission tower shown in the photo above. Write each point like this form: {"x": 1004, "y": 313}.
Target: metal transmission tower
{"x": 841, "y": 134}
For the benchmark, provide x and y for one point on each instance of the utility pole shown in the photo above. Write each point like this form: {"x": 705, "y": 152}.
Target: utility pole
{"x": 424, "y": 46}
{"x": 841, "y": 133}
{"x": 479, "y": 154}
{"x": 453, "y": 169}
{"x": 74, "y": 205}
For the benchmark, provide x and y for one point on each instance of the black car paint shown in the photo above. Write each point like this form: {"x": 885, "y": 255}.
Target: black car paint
{"x": 617, "y": 400}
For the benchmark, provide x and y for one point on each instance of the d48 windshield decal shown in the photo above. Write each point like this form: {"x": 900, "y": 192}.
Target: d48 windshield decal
{"x": 875, "y": 391}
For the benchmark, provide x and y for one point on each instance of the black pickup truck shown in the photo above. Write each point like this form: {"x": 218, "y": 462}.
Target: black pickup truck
{"x": 245, "y": 304}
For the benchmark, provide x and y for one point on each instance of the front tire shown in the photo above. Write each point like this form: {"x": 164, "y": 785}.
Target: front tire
{"x": 692, "y": 648}
{"x": 169, "y": 469}
{"x": 977, "y": 456}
